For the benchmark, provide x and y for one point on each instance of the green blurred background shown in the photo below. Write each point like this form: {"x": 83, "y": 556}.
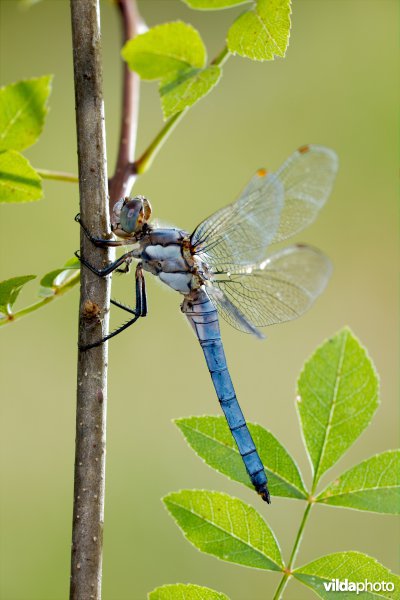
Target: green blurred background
{"x": 337, "y": 87}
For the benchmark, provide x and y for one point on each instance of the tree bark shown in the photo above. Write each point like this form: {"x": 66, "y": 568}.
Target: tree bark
{"x": 89, "y": 478}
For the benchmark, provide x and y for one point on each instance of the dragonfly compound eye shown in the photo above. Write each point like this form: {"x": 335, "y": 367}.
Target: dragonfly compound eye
{"x": 133, "y": 214}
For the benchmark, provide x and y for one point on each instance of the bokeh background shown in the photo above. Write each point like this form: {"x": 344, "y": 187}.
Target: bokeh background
{"x": 337, "y": 87}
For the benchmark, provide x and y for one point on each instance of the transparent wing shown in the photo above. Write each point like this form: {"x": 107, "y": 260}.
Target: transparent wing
{"x": 231, "y": 313}
{"x": 270, "y": 209}
{"x": 279, "y": 289}
{"x": 239, "y": 233}
{"x": 307, "y": 178}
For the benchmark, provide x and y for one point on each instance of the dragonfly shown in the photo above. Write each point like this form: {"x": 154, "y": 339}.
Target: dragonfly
{"x": 224, "y": 268}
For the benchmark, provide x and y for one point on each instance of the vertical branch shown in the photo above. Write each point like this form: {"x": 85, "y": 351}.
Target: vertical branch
{"x": 88, "y": 513}
{"x": 123, "y": 178}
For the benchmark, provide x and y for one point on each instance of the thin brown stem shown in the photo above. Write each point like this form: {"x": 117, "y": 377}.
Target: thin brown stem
{"x": 122, "y": 180}
{"x": 89, "y": 473}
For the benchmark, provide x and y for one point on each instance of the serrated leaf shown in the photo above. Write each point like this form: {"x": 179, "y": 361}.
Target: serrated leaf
{"x": 261, "y": 33}
{"x": 23, "y": 108}
{"x": 214, "y": 4}
{"x": 337, "y": 397}
{"x": 185, "y": 591}
{"x": 226, "y": 527}
{"x": 211, "y": 439}
{"x": 19, "y": 182}
{"x": 186, "y": 89}
{"x": 164, "y": 50}
{"x": 354, "y": 567}
{"x": 10, "y": 289}
{"x": 175, "y": 54}
{"x": 372, "y": 485}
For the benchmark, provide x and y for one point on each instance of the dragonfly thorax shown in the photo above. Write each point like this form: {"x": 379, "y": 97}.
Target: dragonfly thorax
{"x": 164, "y": 253}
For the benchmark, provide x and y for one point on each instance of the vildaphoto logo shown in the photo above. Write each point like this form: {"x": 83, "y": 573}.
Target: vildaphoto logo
{"x": 344, "y": 585}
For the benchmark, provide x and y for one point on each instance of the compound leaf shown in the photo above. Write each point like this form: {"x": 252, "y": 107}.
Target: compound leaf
{"x": 226, "y": 527}
{"x": 175, "y": 54}
{"x": 328, "y": 574}
{"x": 23, "y": 108}
{"x": 211, "y": 439}
{"x": 372, "y": 485}
{"x": 263, "y": 32}
{"x": 337, "y": 397}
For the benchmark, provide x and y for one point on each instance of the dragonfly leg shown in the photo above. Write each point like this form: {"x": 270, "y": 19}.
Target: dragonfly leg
{"x": 141, "y": 296}
{"x": 102, "y": 242}
{"x": 125, "y": 258}
{"x": 139, "y": 311}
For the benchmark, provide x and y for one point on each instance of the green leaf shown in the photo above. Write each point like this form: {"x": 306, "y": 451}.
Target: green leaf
{"x": 186, "y": 89}
{"x": 214, "y": 4}
{"x": 185, "y": 591}
{"x": 353, "y": 567}
{"x": 164, "y": 50}
{"x": 372, "y": 485}
{"x": 10, "y": 289}
{"x": 23, "y": 108}
{"x": 211, "y": 439}
{"x": 19, "y": 182}
{"x": 262, "y": 33}
{"x": 54, "y": 280}
{"x": 226, "y": 527}
{"x": 175, "y": 54}
{"x": 337, "y": 397}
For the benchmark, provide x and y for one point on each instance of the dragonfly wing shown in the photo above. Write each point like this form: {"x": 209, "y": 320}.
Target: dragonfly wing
{"x": 271, "y": 208}
{"x": 307, "y": 178}
{"x": 279, "y": 289}
{"x": 239, "y": 233}
{"x": 230, "y": 312}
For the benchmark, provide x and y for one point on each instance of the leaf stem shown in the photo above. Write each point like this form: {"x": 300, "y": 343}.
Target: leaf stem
{"x": 57, "y": 175}
{"x": 221, "y": 58}
{"x": 142, "y": 164}
{"x": 288, "y": 571}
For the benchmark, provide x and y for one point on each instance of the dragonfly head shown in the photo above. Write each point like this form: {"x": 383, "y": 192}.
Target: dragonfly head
{"x": 130, "y": 215}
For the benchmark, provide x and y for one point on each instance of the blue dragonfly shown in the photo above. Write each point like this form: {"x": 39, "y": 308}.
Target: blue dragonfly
{"x": 224, "y": 268}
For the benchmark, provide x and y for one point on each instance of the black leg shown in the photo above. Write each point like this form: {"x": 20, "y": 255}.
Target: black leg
{"x": 128, "y": 309}
{"x": 125, "y": 258}
{"x": 141, "y": 296}
{"x": 125, "y": 269}
{"x": 139, "y": 311}
{"x": 102, "y": 242}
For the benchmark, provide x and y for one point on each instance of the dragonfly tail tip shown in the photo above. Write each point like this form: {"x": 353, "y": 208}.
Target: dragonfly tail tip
{"x": 264, "y": 493}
